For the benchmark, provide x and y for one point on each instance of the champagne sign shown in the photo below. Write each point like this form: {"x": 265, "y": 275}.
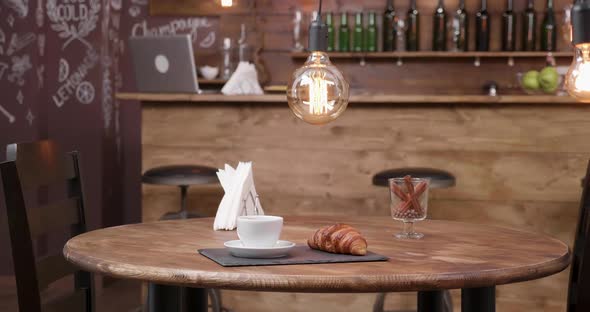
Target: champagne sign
{"x": 73, "y": 19}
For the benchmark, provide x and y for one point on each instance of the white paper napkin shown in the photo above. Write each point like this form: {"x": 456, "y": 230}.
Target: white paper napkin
{"x": 238, "y": 185}
{"x": 243, "y": 81}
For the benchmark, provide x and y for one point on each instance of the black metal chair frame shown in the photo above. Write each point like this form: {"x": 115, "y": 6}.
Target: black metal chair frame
{"x": 32, "y": 167}
{"x": 579, "y": 285}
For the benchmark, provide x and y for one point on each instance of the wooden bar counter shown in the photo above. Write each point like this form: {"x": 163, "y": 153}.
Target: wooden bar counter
{"x": 518, "y": 161}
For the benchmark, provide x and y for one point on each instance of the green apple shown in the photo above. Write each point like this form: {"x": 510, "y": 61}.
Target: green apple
{"x": 549, "y": 79}
{"x": 530, "y": 80}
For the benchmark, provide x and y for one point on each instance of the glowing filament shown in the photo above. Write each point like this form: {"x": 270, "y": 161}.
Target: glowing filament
{"x": 318, "y": 94}
{"x": 226, "y": 3}
{"x": 582, "y": 81}
{"x": 582, "y": 71}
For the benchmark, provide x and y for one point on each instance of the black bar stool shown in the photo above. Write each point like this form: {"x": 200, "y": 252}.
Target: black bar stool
{"x": 438, "y": 179}
{"x": 182, "y": 176}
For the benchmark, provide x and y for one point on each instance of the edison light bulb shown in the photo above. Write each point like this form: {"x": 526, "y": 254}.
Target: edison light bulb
{"x": 317, "y": 92}
{"x": 577, "y": 80}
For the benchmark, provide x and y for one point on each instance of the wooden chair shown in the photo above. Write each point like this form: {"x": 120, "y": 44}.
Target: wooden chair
{"x": 33, "y": 167}
{"x": 579, "y": 287}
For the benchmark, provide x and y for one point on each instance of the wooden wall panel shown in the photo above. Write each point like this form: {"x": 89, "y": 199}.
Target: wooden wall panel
{"x": 194, "y": 7}
{"x": 269, "y": 24}
{"x": 518, "y": 166}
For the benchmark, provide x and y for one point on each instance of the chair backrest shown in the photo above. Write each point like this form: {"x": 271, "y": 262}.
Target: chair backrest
{"x": 579, "y": 287}
{"x": 34, "y": 167}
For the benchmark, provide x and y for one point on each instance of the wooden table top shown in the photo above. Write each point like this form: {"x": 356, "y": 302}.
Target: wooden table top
{"x": 451, "y": 255}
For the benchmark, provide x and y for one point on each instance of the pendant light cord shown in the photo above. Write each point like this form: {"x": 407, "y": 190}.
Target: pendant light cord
{"x": 318, "y": 33}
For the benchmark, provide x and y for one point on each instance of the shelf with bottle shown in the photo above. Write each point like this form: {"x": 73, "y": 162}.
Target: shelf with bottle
{"x": 440, "y": 54}
{"x": 449, "y": 34}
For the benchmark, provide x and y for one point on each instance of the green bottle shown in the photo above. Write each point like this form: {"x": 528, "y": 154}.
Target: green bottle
{"x": 358, "y": 36}
{"x": 389, "y": 30}
{"x": 371, "y": 37}
{"x": 344, "y": 34}
{"x": 529, "y": 25}
{"x": 413, "y": 30}
{"x": 509, "y": 28}
{"x": 330, "y": 24}
{"x": 439, "y": 28}
{"x": 549, "y": 29}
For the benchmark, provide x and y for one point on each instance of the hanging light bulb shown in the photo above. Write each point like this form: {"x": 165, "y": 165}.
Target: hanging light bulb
{"x": 227, "y": 3}
{"x": 577, "y": 79}
{"x": 317, "y": 92}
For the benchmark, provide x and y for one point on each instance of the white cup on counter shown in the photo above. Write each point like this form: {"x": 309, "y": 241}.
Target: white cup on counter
{"x": 259, "y": 231}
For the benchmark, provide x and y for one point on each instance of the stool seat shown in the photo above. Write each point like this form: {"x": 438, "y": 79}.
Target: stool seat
{"x": 180, "y": 175}
{"x": 438, "y": 178}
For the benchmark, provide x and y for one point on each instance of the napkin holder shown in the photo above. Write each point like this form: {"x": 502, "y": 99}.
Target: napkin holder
{"x": 253, "y": 198}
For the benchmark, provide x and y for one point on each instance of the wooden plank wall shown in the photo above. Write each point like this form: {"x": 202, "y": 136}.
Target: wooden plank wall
{"x": 518, "y": 166}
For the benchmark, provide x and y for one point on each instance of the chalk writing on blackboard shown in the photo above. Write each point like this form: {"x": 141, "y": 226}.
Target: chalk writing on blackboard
{"x": 73, "y": 21}
{"x": 30, "y": 117}
{"x": 19, "y": 42}
{"x": 10, "y": 20}
{"x": 20, "y": 65}
{"x": 85, "y": 92}
{"x": 70, "y": 85}
{"x": 107, "y": 98}
{"x": 7, "y": 114}
{"x": 2, "y": 41}
{"x": 20, "y": 7}
{"x": 208, "y": 41}
{"x": 3, "y": 67}
{"x": 39, "y": 16}
{"x": 187, "y": 25}
{"x": 63, "y": 70}
{"x": 20, "y": 97}
{"x": 134, "y": 11}
{"x": 40, "y": 76}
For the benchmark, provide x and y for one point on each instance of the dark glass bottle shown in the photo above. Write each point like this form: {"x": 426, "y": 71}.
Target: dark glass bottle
{"x": 358, "y": 40}
{"x": 413, "y": 30}
{"x": 482, "y": 28}
{"x": 331, "y": 37}
{"x": 389, "y": 32}
{"x": 509, "y": 28}
{"x": 371, "y": 33}
{"x": 439, "y": 28}
{"x": 548, "y": 29}
{"x": 529, "y": 26}
{"x": 344, "y": 34}
{"x": 461, "y": 28}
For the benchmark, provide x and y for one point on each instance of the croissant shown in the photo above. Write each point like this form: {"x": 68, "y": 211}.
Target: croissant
{"x": 339, "y": 238}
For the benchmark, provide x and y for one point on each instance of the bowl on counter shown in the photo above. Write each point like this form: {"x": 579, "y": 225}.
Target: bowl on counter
{"x": 209, "y": 72}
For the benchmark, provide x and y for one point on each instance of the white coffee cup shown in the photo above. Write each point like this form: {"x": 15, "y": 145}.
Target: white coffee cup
{"x": 259, "y": 231}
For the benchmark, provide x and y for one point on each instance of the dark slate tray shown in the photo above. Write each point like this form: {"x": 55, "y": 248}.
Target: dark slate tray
{"x": 297, "y": 255}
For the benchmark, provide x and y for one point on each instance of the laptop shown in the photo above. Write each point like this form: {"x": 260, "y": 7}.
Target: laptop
{"x": 164, "y": 64}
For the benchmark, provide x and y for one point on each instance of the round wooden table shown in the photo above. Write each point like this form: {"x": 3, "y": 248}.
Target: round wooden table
{"x": 451, "y": 255}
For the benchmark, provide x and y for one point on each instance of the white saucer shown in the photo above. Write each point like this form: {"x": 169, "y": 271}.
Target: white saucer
{"x": 237, "y": 249}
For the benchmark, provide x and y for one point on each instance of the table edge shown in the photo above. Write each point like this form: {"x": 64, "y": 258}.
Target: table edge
{"x": 317, "y": 283}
